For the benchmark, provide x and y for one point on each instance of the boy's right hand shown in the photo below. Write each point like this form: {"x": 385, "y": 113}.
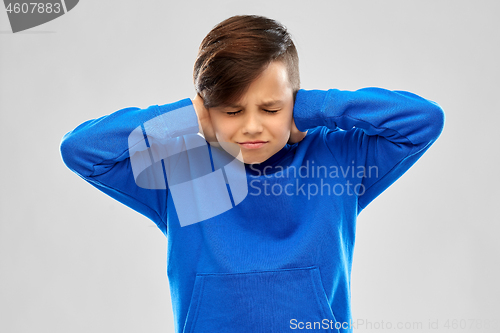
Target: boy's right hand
{"x": 204, "y": 121}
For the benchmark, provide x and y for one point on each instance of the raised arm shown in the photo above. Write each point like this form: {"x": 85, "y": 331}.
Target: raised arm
{"x": 372, "y": 127}
{"x": 100, "y": 152}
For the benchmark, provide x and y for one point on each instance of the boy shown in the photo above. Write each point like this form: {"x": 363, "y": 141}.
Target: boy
{"x": 272, "y": 253}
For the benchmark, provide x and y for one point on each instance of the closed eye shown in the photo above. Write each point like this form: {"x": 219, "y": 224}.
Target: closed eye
{"x": 236, "y": 112}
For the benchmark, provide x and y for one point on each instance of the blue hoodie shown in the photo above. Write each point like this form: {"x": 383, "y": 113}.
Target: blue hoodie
{"x": 279, "y": 259}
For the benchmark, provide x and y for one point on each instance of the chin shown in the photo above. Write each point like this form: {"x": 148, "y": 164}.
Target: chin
{"x": 254, "y": 160}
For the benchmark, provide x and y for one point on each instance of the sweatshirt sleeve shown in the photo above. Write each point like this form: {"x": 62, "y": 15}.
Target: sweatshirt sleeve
{"x": 116, "y": 153}
{"x": 377, "y": 131}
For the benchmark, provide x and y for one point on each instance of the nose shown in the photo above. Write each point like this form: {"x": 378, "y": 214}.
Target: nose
{"x": 252, "y": 124}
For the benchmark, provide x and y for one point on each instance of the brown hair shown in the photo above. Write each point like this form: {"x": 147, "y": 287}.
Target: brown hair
{"x": 236, "y": 51}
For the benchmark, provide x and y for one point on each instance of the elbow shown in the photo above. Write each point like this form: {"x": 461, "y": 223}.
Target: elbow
{"x": 65, "y": 148}
{"x": 436, "y": 120}
{"x": 69, "y": 153}
{"x": 429, "y": 120}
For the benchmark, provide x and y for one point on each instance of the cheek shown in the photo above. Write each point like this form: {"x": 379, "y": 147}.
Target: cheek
{"x": 279, "y": 129}
{"x": 285, "y": 124}
{"x": 224, "y": 128}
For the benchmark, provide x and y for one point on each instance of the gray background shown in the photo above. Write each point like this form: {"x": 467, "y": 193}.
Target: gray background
{"x": 74, "y": 260}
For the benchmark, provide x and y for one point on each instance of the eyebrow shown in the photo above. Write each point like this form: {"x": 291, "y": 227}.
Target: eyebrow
{"x": 265, "y": 104}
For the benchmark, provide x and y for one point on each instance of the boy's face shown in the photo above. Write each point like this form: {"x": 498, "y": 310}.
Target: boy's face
{"x": 254, "y": 121}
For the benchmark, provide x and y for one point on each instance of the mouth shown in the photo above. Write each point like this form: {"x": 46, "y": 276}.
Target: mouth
{"x": 252, "y": 144}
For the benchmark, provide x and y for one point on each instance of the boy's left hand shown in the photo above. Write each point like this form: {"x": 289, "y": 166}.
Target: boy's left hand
{"x": 295, "y": 134}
